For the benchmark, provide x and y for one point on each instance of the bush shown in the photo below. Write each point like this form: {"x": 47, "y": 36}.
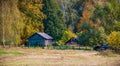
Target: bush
{"x": 66, "y": 36}
{"x": 89, "y": 38}
{"x": 114, "y": 40}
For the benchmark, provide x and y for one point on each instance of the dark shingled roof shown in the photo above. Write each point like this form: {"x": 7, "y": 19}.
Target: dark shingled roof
{"x": 44, "y": 35}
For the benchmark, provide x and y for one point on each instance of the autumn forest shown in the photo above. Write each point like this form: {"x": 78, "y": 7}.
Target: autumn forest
{"x": 90, "y": 21}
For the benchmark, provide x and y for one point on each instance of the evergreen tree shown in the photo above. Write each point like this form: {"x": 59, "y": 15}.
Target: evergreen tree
{"x": 54, "y": 22}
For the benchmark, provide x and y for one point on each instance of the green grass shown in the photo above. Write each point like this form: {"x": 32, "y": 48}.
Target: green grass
{"x": 6, "y": 52}
{"x": 64, "y": 48}
{"x": 70, "y": 47}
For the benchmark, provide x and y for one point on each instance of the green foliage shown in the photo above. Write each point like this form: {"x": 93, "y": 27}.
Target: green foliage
{"x": 108, "y": 14}
{"x": 66, "y": 36}
{"x": 92, "y": 37}
{"x": 54, "y": 22}
{"x": 85, "y": 26}
{"x": 114, "y": 9}
{"x": 63, "y": 47}
{"x": 98, "y": 22}
{"x": 116, "y": 26}
{"x": 114, "y": 40}
{"x": 89, "y": 36}
{"x": 72, "y": 11}
{"x": 103, "y": 36}
{"x": 22, "y": 18}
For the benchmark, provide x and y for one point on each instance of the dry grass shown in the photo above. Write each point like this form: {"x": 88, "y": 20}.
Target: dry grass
{"x": 45, "y": 57}
{"x": 108, "y": 53}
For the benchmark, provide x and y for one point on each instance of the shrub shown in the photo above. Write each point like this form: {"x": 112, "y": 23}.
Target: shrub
{"x": 89, "y": 38}
{"x": 114, "y": 40}
{"x": 66, "y": 36}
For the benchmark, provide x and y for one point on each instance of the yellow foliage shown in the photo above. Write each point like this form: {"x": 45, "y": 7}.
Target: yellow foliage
{"x": 13, "y": 24}
{"x": 66, "y": 36}
{"x": 114, "y": 40}
{"x": 32, "y": 17}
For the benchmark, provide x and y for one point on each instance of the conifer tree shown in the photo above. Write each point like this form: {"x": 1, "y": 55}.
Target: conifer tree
{"x": 54, "y": 22}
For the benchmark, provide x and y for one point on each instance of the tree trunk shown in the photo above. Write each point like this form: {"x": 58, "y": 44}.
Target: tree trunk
{"x": 3, "y": 37}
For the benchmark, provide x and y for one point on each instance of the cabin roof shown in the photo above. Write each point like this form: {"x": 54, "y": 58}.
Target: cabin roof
{"x": 71, "y": 40}
{"x": 44, "y": 35}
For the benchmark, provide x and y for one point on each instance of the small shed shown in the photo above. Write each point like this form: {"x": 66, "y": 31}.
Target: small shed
{"x": 40, "y": 39}
{"x": 72, "y": 42}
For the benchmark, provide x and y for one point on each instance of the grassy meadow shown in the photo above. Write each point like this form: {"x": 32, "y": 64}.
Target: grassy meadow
{"x": 53, "y": 57}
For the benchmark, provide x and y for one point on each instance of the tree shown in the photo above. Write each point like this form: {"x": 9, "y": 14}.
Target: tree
{"x": 72, "y": 11}
{"x": 108, "y": 14}
{"x": 114, "y": 40}
{"x": 11, "y": 18}
{"x": 102, "y": 16}
{"x": 86, "y": 15}
{"x": 54, "y": 22}
{"x": 2, "y": 25}
{"x": 116, "y": 26}
{"x": 67, "y": 35}
{"x": 103, "y": 36}
{"x": 89, "y": 36}
{"x": 88, "y": 28}
{"x": 33, "y": 17}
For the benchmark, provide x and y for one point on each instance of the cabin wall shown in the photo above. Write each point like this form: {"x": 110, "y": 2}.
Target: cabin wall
{"x": 36, "y": 40}
{"x": 48, "y": 42}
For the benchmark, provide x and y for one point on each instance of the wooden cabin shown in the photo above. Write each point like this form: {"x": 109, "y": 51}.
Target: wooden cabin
{"x": 40, "y": 39}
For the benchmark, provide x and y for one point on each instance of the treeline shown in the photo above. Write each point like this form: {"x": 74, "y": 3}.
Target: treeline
{"x": 90, "y": 21}
{"x": 100, "y": 23}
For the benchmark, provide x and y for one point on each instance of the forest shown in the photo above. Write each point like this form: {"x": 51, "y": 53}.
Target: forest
{"x": 90, "y": 21}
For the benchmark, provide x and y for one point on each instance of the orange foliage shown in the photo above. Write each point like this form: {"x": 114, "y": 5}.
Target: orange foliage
{"x": 87, "y": 14}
